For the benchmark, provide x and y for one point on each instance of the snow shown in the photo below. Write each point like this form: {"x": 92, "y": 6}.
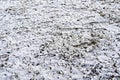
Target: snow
{"x": 59, "y": 39}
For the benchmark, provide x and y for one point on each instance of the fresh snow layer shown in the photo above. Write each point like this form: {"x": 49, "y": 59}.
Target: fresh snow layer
{"x": 59, "y": 39}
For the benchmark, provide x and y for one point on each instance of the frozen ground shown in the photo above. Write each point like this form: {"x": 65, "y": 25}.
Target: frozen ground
{"x": 59, "y": 39}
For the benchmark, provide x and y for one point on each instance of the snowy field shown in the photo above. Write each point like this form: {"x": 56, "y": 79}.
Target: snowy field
{"x": 59, "y": 39}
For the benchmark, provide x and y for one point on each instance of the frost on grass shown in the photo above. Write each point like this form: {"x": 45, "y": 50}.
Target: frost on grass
{"x": 59, "y": 40}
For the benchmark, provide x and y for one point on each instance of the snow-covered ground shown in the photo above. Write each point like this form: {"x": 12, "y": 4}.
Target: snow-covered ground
{"x": 59, "y": 39}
